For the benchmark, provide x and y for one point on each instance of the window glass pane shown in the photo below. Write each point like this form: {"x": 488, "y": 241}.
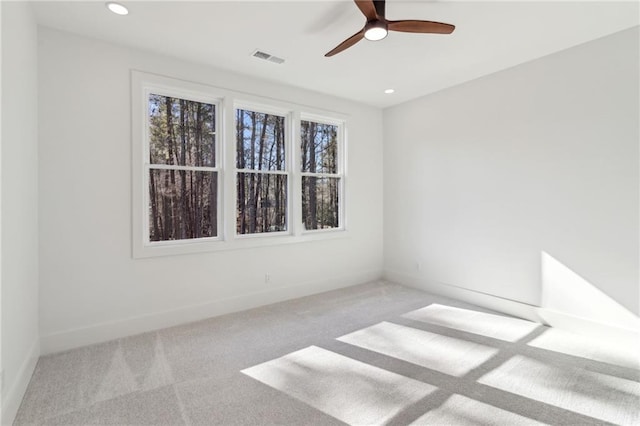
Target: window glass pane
{"x": 262, "y": 203}
{"x": 319, "y": 143}
{"x": 259, "y": 141}
{"x": 320, "y": 202}
{"x": 181, "y": 132}
{"x": 183, "y": 204}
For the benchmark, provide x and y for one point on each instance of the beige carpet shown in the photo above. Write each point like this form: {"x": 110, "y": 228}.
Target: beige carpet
{"x": 378, "y": 353}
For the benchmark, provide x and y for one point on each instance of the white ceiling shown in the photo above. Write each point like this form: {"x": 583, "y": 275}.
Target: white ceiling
{"x": 489, "y": 36}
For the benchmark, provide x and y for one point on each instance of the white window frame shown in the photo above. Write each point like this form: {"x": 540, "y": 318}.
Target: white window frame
{"x": 161, "y": 91}
{"x": 288, "y": 163}
{"x": 340, "y": 172}
{"x": 144, "y": 85}
{"x": 227, "y": 101}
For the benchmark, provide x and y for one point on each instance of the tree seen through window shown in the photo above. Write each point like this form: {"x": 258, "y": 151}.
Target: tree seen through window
{"x": 183, "y": 182}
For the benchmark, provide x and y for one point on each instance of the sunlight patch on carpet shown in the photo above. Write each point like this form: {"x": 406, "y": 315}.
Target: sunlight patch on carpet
{"x": 349, "y": 390}
{"x": 617, "y": 353}
{"x": 462, "y": 411}
{"x": 490, "y": 325}
{"x": 597, "y": 395}
{"x": 441, "y": 353}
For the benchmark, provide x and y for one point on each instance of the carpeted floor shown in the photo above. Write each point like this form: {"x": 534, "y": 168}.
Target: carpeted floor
{"x": 378, "y": 353}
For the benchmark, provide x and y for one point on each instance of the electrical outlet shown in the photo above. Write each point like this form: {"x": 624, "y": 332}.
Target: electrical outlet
{"x": 267, "y": 277}
{"x": 418, "y": 266}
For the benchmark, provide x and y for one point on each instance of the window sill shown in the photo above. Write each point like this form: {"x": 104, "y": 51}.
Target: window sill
{"x": 174, "y": 248}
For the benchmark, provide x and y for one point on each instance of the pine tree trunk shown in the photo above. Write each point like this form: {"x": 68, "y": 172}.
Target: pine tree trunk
{"x": 184, "y": 216}
{"x": 241, "y": 176}
{"x": 171, "y": 185}
{"x": 154, "y": 207}
{"x": 279, "y": 211}
{"x": 259, "y": 196}
{"x": 313, "y": 185}
{"x": 252, "y": 177}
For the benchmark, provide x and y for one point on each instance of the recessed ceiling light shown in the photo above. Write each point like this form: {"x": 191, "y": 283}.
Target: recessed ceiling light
{"x": 389, "y": 91}
{"x": 117, "y": 8}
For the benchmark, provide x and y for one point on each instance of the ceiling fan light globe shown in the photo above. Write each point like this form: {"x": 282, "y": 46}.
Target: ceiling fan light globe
{"x": 375, "y": 30}
{"x": 117, "y": 8}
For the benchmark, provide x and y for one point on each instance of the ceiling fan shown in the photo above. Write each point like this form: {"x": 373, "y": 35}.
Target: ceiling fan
{"x": 377, "y": 25}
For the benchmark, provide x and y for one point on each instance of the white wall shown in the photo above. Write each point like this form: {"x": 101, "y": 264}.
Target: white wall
{"x": 19, "y": 203}
{"x": 485, "y": 180}
{"x": 91, "y": 289}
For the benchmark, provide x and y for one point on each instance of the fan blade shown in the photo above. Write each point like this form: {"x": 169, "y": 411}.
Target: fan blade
{"x": 347, "y": 43}
{"x": 368, "y": 9}
{"x": 411, "y": 26}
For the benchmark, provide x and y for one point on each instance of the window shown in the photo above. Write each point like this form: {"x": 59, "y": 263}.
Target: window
{"x": 182, "y": 174}
{"x": 262, "y": 184}
{"x": 321, "y": 175}
{"x": 214, "y": 169}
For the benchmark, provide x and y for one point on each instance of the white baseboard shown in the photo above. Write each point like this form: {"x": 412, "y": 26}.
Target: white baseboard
{"x": 534, "y": 313}
{"x": 13, "y": 397}
{"x": 499, "y": 304}
{"x": 103, "y": 332}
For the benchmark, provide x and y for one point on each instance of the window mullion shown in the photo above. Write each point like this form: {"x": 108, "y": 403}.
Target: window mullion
{"x": 231, "y": 178}
{"x": 342, "y": 170}
{"x": 296, "y": 175}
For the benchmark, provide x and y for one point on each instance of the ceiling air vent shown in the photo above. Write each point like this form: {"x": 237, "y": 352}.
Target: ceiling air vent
{"x": 267, "y": 57}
